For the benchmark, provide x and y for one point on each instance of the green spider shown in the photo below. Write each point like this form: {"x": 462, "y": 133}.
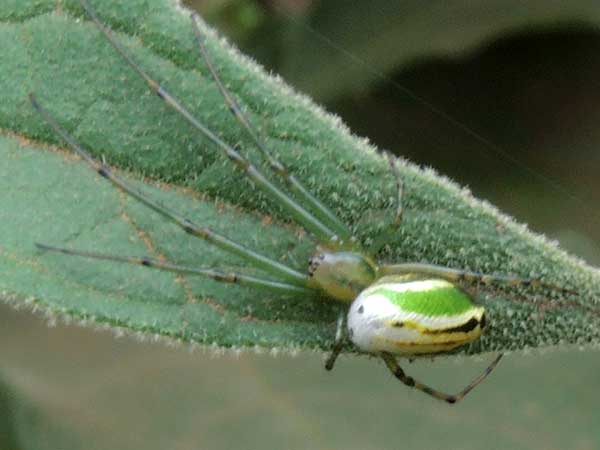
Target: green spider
{"x": 407, "y": 309}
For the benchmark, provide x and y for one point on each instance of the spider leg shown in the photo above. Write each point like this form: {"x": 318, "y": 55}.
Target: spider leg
{"x": 321, "y": 231}
{"x": 214, "y": 274}
{"x": 393, "y": 366}
{"x": 321, "y": 211}
{"x": 400, "y": 192}
{"x": 338, "y": 343}
{"x": 465, "y": 275}
{"x": 269, "y": 265}
{"x": 383, "y": 237}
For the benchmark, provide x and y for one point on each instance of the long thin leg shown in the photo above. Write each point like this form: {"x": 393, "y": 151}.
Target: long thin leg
{"x": 400, "y": 191}
{"x": 322, "y": 232}
{"x": 213, "y": 274}
{"x": 465, "y": 275}
{"x": 392, "y": 364}
{"x": 315, "y": 205}
{"x": 338, "y": 344}
{"x": 381, "y": 240}
{"x": 261, "y": 261}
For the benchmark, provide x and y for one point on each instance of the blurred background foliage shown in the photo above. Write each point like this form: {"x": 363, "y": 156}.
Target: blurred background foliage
{"x": 501, "y": 96}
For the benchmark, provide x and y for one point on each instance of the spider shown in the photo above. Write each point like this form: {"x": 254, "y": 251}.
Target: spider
{"x": 406, "y": 309}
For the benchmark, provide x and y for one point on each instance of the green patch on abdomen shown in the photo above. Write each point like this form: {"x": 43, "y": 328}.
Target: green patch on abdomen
{"x": 427, "y": 297}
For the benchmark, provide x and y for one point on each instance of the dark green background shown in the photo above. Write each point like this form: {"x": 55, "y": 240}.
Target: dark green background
{"x": 525, "y": 80}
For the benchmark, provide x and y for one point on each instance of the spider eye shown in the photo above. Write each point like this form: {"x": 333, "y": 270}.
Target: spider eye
{"x": 314, "y": 262}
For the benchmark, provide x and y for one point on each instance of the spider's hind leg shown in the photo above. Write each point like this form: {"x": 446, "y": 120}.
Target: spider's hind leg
{"x": 457, "y": 275}
{"x": 397, "y": 371}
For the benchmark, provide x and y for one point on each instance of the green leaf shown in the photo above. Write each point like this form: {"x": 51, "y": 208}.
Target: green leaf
{"x": 49, "y": 196}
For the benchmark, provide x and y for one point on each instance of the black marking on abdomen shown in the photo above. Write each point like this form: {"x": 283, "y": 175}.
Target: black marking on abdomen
{"x": 482, "y": 322}
{"x": 471, "y": 324}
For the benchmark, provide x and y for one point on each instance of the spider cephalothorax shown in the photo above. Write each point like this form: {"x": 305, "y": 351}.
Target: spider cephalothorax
{"x": 401, "y": 309}
{"x": 342, "y": 275}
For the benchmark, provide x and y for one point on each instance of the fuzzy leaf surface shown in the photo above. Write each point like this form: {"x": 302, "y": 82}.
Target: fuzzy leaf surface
{"x": 49, "y": 196}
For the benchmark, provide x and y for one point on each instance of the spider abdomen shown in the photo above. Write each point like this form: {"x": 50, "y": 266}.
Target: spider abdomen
{"x": 410, "y": 316}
